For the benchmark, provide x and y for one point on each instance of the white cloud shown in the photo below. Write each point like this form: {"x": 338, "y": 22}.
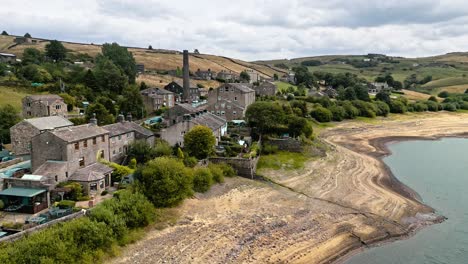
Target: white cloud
{"x": 250, "y": 29}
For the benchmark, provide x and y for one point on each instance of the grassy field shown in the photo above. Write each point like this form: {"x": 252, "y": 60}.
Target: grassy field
{"x": 282, "y": 160}
{"x": 283, "y": 86}
{"x": 12, "y": 96}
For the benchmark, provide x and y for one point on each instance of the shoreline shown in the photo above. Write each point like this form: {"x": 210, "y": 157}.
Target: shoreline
{"x": 381, "y": 146}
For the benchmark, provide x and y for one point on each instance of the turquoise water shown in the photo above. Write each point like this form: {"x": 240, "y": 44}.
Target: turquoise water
{"x": 438, "y": 171}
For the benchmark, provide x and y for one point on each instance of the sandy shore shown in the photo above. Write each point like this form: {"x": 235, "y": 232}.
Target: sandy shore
{"x": 332, "y": 208}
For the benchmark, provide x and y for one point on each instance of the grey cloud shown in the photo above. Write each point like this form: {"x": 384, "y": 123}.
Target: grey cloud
{"x": 137, "y": 9}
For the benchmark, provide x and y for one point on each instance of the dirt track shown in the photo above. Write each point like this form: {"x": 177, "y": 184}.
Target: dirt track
{"x": 335, "y": 205}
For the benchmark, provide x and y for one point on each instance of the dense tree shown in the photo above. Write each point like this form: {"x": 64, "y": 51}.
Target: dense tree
{"x": 27, "y": 35}
{"x": 382, "y": 108}
{"x": 89, "y": 80}
{"x": 108, "y": 104}
{"x": 338, "y": 112}
{"x": 8, "y": 118}
{"x": 69, "y": 100}
{"x": 32, "y": 56}
{"x": 3, "y": 69}
{"x": 244, "y": 76}
{"x": 132, "y": 102}
{"x": 443, "y": 94}
{"x": 304, "y": 76}
{"x": 165, "y": 181}
{"x": 264, "y": 116}
{"x": 433, "y": 98}
{"x": 150, "y": 47}
{"x": 102, "y": 114}
{"x": 321, "y": 114}
{"x": 35, "y": 73}
{"x": 366, "y": 109}
{"x": 55, "y": 50}
{"x": 383, "y": 96}
{"x": 298, "y": 126}
{"x": 4, "y": 33}
{"x": 398, "y": 107}
{"x": 143, "y": 86}
{"x": 199, "y": 142}
{"x": 108, "y": 76}
{"x": 121, "y": 57}
{"x": 141, "y": 151}
{"x": 202, "y": 180}
{"x": 275, "y": 77}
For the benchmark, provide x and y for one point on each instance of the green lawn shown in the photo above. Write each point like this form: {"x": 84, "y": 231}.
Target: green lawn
{"x": 282, "y": 86}
{"x": 13, "y": 96}
{"x": 282, "y": 160}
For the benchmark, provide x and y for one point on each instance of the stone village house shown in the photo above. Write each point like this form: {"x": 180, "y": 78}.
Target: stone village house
{"x": 44, "y": 105}
{"x": 155, "y": 99}
{"x": 22, "y": 132}
{"x": 230, "y": 100}
{"x": 266, "y": 89}
{"x": 177, "y": 88}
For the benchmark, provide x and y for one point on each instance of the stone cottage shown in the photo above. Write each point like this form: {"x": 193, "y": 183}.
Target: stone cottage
{"x": 71, "y": 154}
{"x": 155, "y": 99}
{"x": 230, "y": 100}
{"x": 177, "y": 87}
{"x": 44, "y": 105}
{"x": 266, "y": 89}
{"x": 22, "y": 133}
{"x": 377, "y": 87}
{"x": 205, "y": 75}
{"x": 122, "y": 134}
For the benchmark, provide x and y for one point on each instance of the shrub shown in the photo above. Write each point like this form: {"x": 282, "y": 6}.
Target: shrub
{"x": 66, "y": 204}
{"x": 2, "y": 204}
{"x": 432, "y": 106}
{"x": 190, "y": 161}
{"x": 338, "y": 113}
{"x": 165, "y": 181}
{"x": 351, "y": 110}
{"x": 202, "y": 180}
{"x": 105, "y": 192}
{"x": 119, "y": 172}
{"x": 443, "y": 94}
{"x": 269, "y": 149}
{"x": 449, "y": 107}
{"x": 382, "y": 108}
{"x": 228, "y": 171}
{"x": 162, "y": 148}
{"x": 321, "y": 114}
{"x": 216, "y": 172}
{"x": 397, "y": 107}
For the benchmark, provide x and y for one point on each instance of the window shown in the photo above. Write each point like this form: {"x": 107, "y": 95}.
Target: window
{"x": 223, "y": 105}
{"x": 229, "y": 107}
{"x": 103, "y": 138}
{"x": 94, "y": 141}
{"x": 77, "y": 145}
{"x": 102, "y": 154}
{"x": 128, "y": 135}
{"x": 85, "y": 143}
{"x": 222, "y": 113}
{"x": 56, "y": 178}
{"x": 81, "y": 162}
{"x": 93, "y": 186}
{"x": 29, "y": 104}
{"x": 66, "y": 174}
{"x": 227, "y": 89}
{"x": 101, "y": 184}
{"x": 235, "y": 98}
{"x": 58, "y": 107}
{"x": 29, "y": 113}
{"x": 113, "y": 152}
{"x": 120, "y": 137}
{"x": 234, "y": 112}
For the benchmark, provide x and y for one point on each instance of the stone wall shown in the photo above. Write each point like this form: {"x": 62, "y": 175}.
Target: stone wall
{"x": 21, "y": 135}
{"x": 244, "y": 167}
{"x": 19, "y": 235}
{"x": 289, "y": 144}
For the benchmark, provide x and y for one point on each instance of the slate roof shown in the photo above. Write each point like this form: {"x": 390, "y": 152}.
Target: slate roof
{"x": 49, "y": 122}
{"x": 209, "y": 120}
{"x": 155, "y": 91}
{"x": 126, "y": 127}
{"x": 50, "y": 168}
{"x": 242, "y": 87}
{"x": 76, "y": 133}
{"x": 50, "y": 98}
{"x": 22, "y": 192}
{"x": 91, "y": 173}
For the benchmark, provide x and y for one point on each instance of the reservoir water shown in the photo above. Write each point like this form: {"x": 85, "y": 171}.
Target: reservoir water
{"x": 438, "y": 171}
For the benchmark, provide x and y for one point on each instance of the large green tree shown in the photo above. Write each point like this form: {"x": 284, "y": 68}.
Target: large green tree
{"x": 121, "y": 57}
{"x": 102, "y": 114}
{"x": 199, "y": 142}
{"x": 32, "y": 56}
{"x": 8, "y": 118}
{"x": 132, "y": 102}
{"x": 264, "y": 116}
{"x": 244, "y": 76}
{"x": 4, "y": 33}
{"x": 165, "y": 181}
{"x": 55, "y": 50}
{"x": 109, "y": 77}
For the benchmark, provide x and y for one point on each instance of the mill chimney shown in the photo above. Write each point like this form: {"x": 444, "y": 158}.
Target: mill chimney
{"x": 186, "y": 73}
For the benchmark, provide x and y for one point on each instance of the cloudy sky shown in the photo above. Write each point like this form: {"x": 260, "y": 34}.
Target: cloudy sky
{"x": 250, "y": 29}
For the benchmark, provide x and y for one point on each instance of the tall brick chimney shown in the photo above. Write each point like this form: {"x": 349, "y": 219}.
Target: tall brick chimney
{"x": 186, "y": 94}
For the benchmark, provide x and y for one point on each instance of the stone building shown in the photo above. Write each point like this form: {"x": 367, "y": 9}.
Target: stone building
{"x": 230, "y": 100}
{"x": 22, "y": 132}
{"x": 178, "y": 89}
{"x": 205, "y": 75}
{"x": 254, "y": 76}
{"x": 122, "y": 134}
{"x": 228, "y": 76}
{"x": 44, "y": 105}
{"x": 376, "y": 87}
{"x": 71, "y": 154}
{"x": 155, "y": 99}
{"x": 178, "y": 127}
{"x": 266, "y": 89}
{"x": 7, "y": 57}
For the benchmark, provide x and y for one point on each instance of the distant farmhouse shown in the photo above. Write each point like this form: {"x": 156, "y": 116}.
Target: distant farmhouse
{"x": 230, "y": 100}
{"x": 266, "y": 88}
{"x": 44, "y": 105}
{"x": 7, "y": 58}
{"x": 155, "y": 99}
{"x": 181, "y": 118}
{"x": 177, "y": 87}
{"x": 228, "y": 76}
{"x": 254, "y": 76}
{"x": 376, "y": 87}
{"x": 205, "y": 75}
{"x": 22, "y": 133}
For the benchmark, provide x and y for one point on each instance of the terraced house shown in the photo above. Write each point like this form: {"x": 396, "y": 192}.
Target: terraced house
{"x": 230, "y": 100}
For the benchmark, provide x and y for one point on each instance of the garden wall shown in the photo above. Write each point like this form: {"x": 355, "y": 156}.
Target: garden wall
{"x": 288, "y": 144}
{"x": 244, "y": 167}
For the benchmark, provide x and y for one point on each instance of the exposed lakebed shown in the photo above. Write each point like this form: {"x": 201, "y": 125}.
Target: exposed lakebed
{"x": 438, "y": 172}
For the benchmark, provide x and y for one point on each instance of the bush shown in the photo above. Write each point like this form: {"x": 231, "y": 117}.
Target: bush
{"x": 382, "y": 108}
{"x": 105, "y": 192}
{"x": 119, "y": 172}
{"x": 443, "y": 94}
{"x": 162, "y": 148}
{"x": 432, "y": 106}
{"x": 449, "y": 107}
{"x": 397, "y": 107}
{"x": 66, "y": 204}
{"x": 216, "y": 172}
{"x": 165, "y": 181}
{"x": 228, "y": 171}
{"x": 351, "y": 111}
{"x": 321, "y": 114}
{"x": 338, "y": 112}
{"x": 202, "y": 180}
{"x": 2, "y": 204}
{"x": 190, "y": 161}
{"x": 269, "y": 149}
